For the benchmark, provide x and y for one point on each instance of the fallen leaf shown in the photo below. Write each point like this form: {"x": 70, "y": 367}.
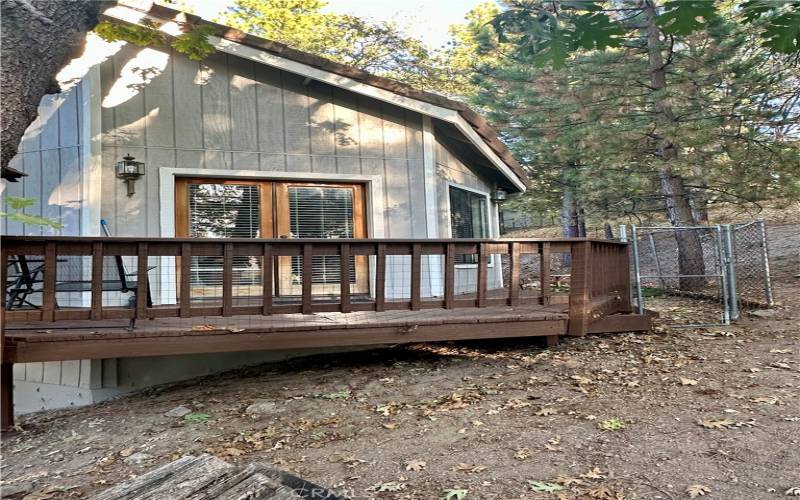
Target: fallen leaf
{"x": 455, "y": 494}
{"x": 581, "y": 380}
{"x": 470, "y": 468}
{"x": 544, "y": 487}
{"x": 568, "y": 481}
{"x": 547, "y": 410}
{"x": 766, "y": 400}
{"x": 603, "y": 493}
{"x": 595, "y": 473}
{"x": 416, "y": 465}
{"x": 389, "y": 486}
{"x": 697, "y": 490}
{"x": 390, "y": 425}
{"x": 710, "y": 423}
{"x": 203, "y": 328}
{"x": 522, "y": 454}
{"x": 688, "y": 381}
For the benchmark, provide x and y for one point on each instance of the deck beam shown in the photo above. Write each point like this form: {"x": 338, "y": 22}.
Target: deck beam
{"x": 194, "y": 343}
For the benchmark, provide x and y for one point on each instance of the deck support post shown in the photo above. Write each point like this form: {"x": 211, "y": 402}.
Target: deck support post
{"x": 579, "y": 304}
{"x": 551, "y": 340}
{"x": 6, "y": 396}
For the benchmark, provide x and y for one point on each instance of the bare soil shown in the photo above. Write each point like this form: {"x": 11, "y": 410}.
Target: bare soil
{"x": 662, "y": 415}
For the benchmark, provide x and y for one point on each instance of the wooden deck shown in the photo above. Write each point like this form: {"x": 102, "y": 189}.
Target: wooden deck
{"x": 596, "y": 300}
{"x": 107, "y": 339}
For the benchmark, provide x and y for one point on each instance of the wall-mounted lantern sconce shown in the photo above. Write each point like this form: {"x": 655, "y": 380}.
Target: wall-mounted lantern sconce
{"x": 130, "y": 170}
{"x": 499, "y": 195}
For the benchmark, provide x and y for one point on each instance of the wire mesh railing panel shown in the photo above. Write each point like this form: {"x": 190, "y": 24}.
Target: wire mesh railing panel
{"x": 751, "y": 263}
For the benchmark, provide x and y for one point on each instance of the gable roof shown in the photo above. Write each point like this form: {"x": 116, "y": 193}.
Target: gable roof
{"x": 486, "y": 134}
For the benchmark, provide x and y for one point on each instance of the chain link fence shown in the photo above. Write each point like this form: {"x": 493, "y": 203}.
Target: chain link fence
{"x": 726, "y": 267}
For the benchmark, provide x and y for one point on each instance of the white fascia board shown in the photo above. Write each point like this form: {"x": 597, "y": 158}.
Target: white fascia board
{"x": 449, "y": 115}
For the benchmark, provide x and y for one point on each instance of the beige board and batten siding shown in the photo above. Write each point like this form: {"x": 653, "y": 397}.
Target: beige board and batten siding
{"x": 52, "y": 152}
{"x": 229, "y": 113}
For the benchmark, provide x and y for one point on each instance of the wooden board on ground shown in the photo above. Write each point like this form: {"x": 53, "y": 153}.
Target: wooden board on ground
{"x": 206, "y": 477}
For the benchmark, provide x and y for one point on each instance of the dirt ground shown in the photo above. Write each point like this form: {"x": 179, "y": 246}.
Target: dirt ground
{"x": 672, "y": 414}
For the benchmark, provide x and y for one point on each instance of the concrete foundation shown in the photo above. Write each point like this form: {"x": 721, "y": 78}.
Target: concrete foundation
{"x": 64, "y": 384}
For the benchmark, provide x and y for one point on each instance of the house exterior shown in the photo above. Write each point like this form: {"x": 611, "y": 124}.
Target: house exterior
{"x": 257, "y": 141}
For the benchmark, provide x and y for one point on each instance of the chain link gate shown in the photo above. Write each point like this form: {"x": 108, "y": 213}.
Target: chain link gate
{"x": 724, "y": 265}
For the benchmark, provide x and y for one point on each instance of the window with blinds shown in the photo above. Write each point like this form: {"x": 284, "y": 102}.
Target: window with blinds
{"x": 224, "y": 211}
{"x": 468, "y": 218}
{"x": 321, "y": 212}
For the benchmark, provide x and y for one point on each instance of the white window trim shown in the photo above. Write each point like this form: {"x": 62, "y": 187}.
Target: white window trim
{"x": 166, "y": 177}
{"x": 489, "y": 225}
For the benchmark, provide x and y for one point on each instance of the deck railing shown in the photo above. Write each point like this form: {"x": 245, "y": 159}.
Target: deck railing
{"x": 598, "y": 281}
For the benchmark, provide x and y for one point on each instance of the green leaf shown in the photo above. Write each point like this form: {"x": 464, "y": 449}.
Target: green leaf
{"x": 753, "y": 9}
{"x": 194, "y": 44}
{"x": 590, "y": 5}
{"x": 143, "y": 35}
{"x": 545, "y": 487}
{"x": 455, "y": 494}
{"x": 596, "y": 31}
{"x": 782, "y": 34}
{"x": 683, "y": 17}
{"x": 34, "y": 220}
{"x": 18, "y": 203}
{"x": 197, "y": 418}
{"x": 612, "y": 424}
{"x": 553, "y": 51}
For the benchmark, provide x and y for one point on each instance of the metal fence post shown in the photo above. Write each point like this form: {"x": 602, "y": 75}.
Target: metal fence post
{"x": 636, "y": 271}
{"x": 723, "y": 282}
{"x": 623, "y": 233}
{"x": 730, "y": 269}
{"x": 765, "y": 257}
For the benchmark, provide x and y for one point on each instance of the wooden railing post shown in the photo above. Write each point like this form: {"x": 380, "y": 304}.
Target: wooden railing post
{"x": 344, "y": 277}
{"x": 624, "y": 274}
{"x": 185, "y": 293}
{"x": 308, "y": 269}
{"x": 266, "y": 280}
{"x": 579, "y": 289}
{"x": 483, "y": 269}
{"x": 141, "y": 281}
{"x": 514, "y": 263}
{"x": 416, "y": 276}
{"x": 49, "y": 285}
{"x": 97, "y": 281}
{"x": 380, "y": 277}
{"x": 450, "y": 276}
{"x": 227, "y": 279}
{"x": 544, "y": 272}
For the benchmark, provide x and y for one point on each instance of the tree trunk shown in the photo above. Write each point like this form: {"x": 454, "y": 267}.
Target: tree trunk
{"x": 699, "y": 196}
{"x": 569, "y": 214}
{"x": 676, "y": 202}
{"x": 570, "y": 227}
{"x": 39, "y": 38}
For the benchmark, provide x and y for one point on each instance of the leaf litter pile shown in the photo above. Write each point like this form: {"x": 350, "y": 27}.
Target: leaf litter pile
{"x": 683, "y": 413}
